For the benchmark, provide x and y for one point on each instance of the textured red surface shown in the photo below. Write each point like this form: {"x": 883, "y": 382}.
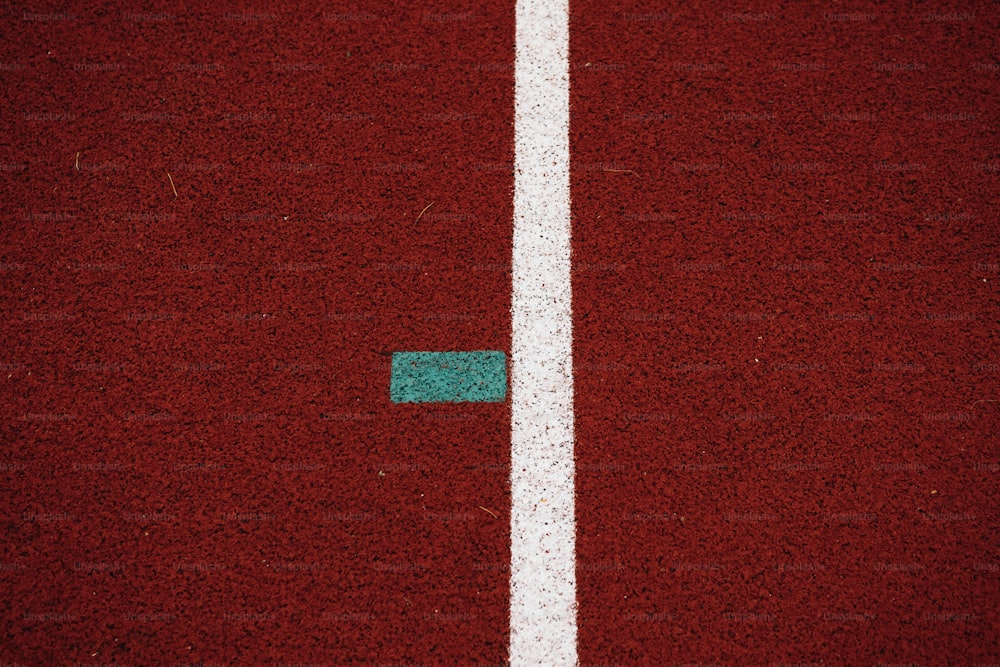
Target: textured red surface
{"x": 786, "y": 333}
{"x": 201, "y": 463}
{"x": 786, "y": 307}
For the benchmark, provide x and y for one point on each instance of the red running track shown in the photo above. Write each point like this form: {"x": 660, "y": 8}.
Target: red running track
{"x": 785, "y": 333}
{"x": 201, "y": 461}
{"x": 785, "y": 307}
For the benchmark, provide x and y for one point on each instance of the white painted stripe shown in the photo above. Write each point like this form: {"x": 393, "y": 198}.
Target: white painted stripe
{"x": 543, "y": 530}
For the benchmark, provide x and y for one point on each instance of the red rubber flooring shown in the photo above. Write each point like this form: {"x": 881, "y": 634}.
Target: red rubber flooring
{"x": 219, "y": 223}
{"x": 785, "y": 308}
{"x": 201, "y": 461}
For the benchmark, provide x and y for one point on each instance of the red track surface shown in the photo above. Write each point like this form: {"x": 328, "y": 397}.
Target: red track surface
{"x": 785, "y": 313}
{"x": 781, "y": 342}
{"x": 216, "y": 495}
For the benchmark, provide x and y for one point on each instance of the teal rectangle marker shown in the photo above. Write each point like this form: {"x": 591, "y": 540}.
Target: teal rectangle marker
{"x": 448, "y": 377}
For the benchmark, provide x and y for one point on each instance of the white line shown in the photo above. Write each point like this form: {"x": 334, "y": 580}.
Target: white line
{"x": 543, "y": 531}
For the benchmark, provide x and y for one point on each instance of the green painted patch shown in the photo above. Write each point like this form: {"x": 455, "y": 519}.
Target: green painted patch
{"x": 448, "y": 377}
